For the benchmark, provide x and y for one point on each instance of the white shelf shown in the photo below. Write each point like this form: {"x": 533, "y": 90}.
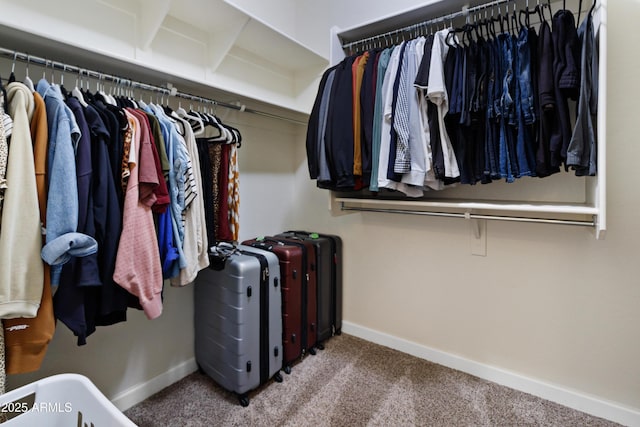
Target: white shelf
{"x": 203, "y": 46}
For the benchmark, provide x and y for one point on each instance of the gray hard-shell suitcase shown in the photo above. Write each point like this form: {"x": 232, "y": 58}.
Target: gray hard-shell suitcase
{"x": 238, "y": 318}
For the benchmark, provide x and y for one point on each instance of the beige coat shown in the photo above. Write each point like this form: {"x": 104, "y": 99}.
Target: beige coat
{"x": 21, "y": 269}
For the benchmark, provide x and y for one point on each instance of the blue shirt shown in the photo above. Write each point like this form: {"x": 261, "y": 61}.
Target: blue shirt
{"x": 176, "y": 154}
{"x": 62, "y": 202}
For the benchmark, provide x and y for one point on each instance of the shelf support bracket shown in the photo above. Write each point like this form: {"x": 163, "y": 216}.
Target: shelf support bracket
{"x": 152, "y": 14}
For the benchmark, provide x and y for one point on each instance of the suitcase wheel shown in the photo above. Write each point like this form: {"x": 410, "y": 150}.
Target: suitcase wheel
{"x": 338, "y": 331}
{"x": 312, "y": 351}
{"x": 277, "y": 377}
{"x": 244, "y": 400}
{"x": 200, "y": 370}
{"x": 320, "y": 346}
{"x": 287, "y": 370}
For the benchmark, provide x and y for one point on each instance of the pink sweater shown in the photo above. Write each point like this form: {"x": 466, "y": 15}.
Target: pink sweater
{"x": 138, "y": 268}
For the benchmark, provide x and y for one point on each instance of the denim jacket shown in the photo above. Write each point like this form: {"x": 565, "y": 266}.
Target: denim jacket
{"x": 62, "y": 202}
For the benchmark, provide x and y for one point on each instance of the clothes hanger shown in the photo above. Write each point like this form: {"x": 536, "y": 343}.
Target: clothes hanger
{"x": 514, "y": 21}
{"x": 496, "y": 19}
{"x": 500, "y": 19}
{"x": 527, "y": 13}
{"x": 579, "y": 12}
{"x": 3, "y": 103}
{"x": 44, "y": 71}
{"x": 100, "y": 90}
{"x": 474, "y": 27}
{"x": 195, "y": 122}
{"x": 236, "y": 135}
{"x": 112, "y": 99}
{"x": 490, "y": 26}
{"x": 12, "y": 77}
{"x": 118, "y": 94}
{"x": 143, "y": 105}
{"x": 593, "y": 7}
{"x": 27, "y": 79}
{"x": 77, "y": 92}
{"x": 448, "y": 38}
{"x": 482, "y": 26}
{"x": 131, "y": 96}
{"x": 64, "y": 91}
{"x": 229, "y": 136}
{"x": 541, "y": 15}
{"x": 209, "y": 121}
{"x": 86, "y": 92}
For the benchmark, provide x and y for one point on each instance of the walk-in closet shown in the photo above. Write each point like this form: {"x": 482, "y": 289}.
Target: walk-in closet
{"x": 457, "y": 290}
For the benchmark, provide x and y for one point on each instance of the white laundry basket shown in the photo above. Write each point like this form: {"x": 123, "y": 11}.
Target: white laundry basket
{"x": 60, "y": 400}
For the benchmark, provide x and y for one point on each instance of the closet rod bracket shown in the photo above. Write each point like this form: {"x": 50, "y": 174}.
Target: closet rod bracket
{"x": 476, "y": 226}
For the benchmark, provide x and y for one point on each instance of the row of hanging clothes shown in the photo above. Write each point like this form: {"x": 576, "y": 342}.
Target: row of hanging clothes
{"x": 104, "y": 197}
{"x": 498, "y": 98}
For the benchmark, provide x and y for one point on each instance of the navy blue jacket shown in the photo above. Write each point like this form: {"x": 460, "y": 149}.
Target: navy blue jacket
{"x": 105, "y": 305}
{"x": 68, "y": 302}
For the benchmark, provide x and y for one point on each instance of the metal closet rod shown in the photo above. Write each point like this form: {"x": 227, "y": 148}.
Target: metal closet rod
{"x": 471, "y": 216}
{"x": 464, "y": 12}
{"x": 132, "y": 84}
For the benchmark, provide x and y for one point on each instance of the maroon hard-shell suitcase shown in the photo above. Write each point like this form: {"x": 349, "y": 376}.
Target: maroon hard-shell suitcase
{"x": 310, "y": 275}
{"x": 292, "y": 272}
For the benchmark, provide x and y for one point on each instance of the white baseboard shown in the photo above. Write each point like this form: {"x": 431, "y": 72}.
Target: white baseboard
{"x": 570, "y": 398}
{"x": 140, "y": 392}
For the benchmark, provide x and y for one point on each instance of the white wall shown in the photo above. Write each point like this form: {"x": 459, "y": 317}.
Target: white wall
{"x": 547, "y": 302}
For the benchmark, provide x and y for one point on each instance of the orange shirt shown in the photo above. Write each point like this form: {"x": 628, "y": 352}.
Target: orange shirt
{"x": 358, "y": 71}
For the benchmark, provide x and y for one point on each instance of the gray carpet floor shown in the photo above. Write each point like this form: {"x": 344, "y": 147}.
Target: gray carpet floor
{"x": 357, "y": 383}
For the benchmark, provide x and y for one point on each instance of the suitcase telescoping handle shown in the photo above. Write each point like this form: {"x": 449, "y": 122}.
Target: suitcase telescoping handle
{"x": 219, "y": 253}
{"x": 304, "y": 233}
{"x": 261, "y": 240}
{"x": 261, "y": 245}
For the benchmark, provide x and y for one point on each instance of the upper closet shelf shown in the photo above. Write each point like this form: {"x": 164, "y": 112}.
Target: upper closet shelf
{"x": 202, "y": 46}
